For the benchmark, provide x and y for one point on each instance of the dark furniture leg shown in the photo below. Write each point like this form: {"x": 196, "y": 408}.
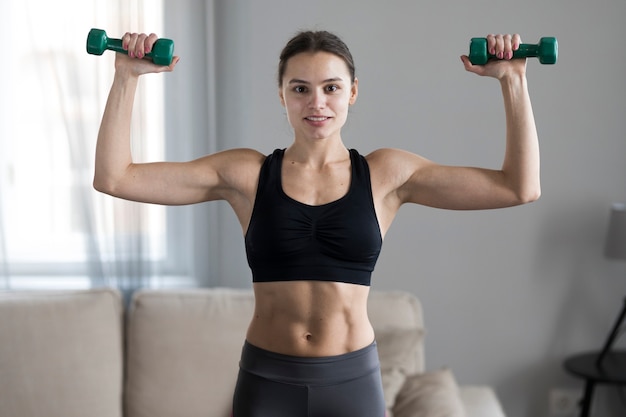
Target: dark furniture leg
{"x": 612, "y": 336}
{"x": 586, "y": 401}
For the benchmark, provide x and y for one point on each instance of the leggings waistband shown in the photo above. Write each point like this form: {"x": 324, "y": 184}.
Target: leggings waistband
{"x": 309, "y": 370}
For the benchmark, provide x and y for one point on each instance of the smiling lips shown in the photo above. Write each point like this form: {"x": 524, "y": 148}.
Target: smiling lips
{"x": 317, "y": 118}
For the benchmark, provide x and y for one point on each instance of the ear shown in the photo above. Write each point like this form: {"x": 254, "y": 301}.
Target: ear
{"x": 354, "y": 91}
{"x": 281, "y": 96}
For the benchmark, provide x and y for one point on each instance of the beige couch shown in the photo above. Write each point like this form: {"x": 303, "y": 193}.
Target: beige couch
{"x": 175, "y": 354}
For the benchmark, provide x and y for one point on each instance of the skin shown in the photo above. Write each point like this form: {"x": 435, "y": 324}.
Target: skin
{"x": 316, "y": 318}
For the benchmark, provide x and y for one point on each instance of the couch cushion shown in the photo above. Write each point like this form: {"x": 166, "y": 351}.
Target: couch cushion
{"x": 398, "y": 352}
{"x": 431, "y": 394}
{"x": 480, "y": 401}
{"x": 61, "y": 354}
{"x": 399, "y": 326}
{"x": 183, "y": 350}
{"x": 399, "y": 349}
{"x": 393, "y": 381}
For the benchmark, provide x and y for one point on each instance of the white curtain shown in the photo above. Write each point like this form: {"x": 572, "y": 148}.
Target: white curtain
{"x": 5, "y": 33}
{"x": 4, "y": 271}
{"x": 55, "y": 230}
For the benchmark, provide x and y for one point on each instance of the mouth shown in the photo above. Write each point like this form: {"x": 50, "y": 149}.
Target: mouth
{"x": 317, "y": 118}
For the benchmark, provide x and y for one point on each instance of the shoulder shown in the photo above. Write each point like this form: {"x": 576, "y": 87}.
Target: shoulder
{"x": 234, "y": 161}
{"x": 387, "y": 162}
{"x": 239, "y": 156}
{"x": 387, "y": 155}
{"x": 236, "y": 168}
{"x": 394, "y": 172}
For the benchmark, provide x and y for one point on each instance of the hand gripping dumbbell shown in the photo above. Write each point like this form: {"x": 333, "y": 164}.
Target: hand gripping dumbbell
{"x": 547, "y": 50}
{"x": 98, "y": 41}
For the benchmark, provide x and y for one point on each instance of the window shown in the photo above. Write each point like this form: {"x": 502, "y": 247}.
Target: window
{"x": 52, "y": 222}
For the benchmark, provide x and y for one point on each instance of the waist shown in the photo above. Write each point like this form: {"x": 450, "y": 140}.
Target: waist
{"x": 310, "y": 318}
{"x": 311, "y": 370}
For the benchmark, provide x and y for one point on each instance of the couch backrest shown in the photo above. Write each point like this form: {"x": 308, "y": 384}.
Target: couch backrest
{"x": 61, "y": 354}
{"x": 183, "y": 347}
{"x": 183, "y": 351}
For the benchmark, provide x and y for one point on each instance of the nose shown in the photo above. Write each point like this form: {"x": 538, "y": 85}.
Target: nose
{"x": 317, "y": 100}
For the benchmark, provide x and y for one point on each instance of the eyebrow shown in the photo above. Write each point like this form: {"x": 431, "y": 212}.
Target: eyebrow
{"x": 328, "y": 80}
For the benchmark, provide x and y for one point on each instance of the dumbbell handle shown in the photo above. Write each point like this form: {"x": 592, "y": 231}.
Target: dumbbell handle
{"x": 546, "y": 50}
{"x": 116, "y": 46}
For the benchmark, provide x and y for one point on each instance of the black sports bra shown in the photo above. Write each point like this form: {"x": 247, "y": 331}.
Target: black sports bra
{"x": 290, "y": 241}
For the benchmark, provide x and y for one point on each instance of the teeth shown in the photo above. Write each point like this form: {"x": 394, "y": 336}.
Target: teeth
{"x": 317, "y": 119}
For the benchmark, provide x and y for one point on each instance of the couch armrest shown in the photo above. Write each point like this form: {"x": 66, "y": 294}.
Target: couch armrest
{"x": 480, "y": 401}
{"x": 61, "y": 353}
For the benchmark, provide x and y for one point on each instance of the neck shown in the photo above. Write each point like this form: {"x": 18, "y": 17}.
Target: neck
{"x": 318, "y": 154}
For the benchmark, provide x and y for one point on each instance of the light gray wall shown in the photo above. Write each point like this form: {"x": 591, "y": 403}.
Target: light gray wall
{"x": 508, "y": 294}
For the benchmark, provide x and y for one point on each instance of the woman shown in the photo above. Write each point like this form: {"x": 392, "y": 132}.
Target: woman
{"x": 314, "y": 216}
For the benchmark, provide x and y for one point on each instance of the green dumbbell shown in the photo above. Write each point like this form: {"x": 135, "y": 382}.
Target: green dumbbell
{"x": 547, "y": 50}
{"x": 98, "y": 42}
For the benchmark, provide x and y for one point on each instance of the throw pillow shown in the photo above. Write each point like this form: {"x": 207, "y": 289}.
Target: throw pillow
{"x": 393, "y": 380}
{"x": 431, "y": 394}
{"x": 398, "y": 348}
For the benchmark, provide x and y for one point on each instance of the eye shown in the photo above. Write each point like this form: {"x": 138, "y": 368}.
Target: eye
{"x": 299, "y": 89}
{"x": 332, "y": 88}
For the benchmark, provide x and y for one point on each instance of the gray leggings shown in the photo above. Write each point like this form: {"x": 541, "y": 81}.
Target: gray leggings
{"x": 276, "y": 385}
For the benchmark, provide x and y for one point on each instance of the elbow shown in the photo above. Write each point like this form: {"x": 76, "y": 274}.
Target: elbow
{"x": 112, "y": 182}
{"x": 100, "y": 186}
{"x": 524, "y": 190}
{"x": 529, "y": 195}
{"x": 537, "y": 194}
{"x": 103, "y": 184}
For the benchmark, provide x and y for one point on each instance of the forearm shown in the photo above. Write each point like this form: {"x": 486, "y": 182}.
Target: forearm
{"x": 113, "y": 155}
{"x": 521, "y": 161}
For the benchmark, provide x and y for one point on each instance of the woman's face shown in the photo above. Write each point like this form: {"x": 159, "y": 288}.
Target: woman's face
{"x": 317, "y": 92}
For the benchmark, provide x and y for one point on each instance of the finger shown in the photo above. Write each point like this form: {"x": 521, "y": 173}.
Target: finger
{"x": 140, "y": 45}
{"x": 517, "y": 40}
{"x": 125, "y": 41}
{"x": 491, "y": 44}
{"x": 175, "y": 60}
{"x": 499, "y": 46}
{"x": 508, "y": 48}
{"x": 132, "y": 44}
{"x": 149, "y": 43}
{"x": 467, "y": 63}
{"x": 469, "y": 67}
{"x": 170, "y": 67}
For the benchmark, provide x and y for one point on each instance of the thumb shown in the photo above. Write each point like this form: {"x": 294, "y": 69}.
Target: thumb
{"x": 476, "y": 69}
{"x": 170, "y": 67}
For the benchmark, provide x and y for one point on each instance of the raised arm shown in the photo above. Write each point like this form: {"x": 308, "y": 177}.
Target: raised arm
{"x": 407, "y": 177}
{"x": 521, "y": 160}
{"x": 228, "y": 175}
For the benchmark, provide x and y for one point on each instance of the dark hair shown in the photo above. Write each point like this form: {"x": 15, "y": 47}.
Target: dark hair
{"x": 315, "y": 41}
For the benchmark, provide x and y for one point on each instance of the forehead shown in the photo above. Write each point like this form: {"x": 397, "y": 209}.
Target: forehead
{"x": 315, "y": 66}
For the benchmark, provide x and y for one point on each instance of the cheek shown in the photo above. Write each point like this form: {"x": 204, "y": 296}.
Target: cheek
{"x": 292, "y": 111}
{"x": 293, "y": 105}
{"x": 343, "y": 106}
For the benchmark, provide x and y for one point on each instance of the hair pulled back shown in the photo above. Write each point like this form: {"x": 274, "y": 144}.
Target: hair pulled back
{"x": 315, "y": 41}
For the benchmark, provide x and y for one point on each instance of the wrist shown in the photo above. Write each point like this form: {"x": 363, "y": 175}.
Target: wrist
{"x": 512, "y": 80}
{"x": 124, "y": 78}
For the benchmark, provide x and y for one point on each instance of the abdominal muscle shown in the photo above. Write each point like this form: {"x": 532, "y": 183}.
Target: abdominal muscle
{"x": 310, "y": 318}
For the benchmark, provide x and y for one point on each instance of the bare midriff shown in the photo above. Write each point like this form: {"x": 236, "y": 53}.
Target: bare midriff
{"x": 310, "y": 318}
